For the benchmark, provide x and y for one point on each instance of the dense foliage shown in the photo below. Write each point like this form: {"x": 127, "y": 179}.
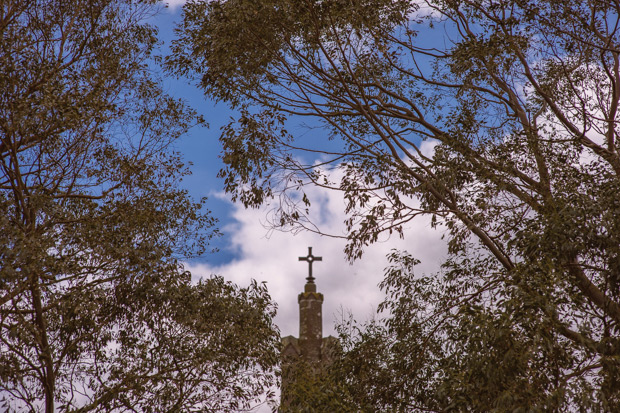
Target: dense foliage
{"x": 519, "y": 101}
{"x": 96, "y": 311}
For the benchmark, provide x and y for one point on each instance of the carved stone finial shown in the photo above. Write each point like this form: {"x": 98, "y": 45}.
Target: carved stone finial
{"x": 310, "y": 259}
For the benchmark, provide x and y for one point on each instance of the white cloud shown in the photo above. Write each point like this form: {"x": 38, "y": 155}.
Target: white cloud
{"x": 173, "y": 5}
{"x": 272, "y": 256}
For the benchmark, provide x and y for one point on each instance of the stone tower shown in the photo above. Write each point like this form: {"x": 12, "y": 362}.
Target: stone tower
{"x": 310, "y": 323}
{"x": 310, "y": 347}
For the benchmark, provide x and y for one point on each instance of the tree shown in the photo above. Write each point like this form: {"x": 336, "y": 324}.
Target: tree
{"x": 519, "y": 101}
{"x": 96, "y": 311}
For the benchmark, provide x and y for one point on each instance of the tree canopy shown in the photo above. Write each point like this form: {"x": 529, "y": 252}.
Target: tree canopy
{"x": 96, "y": 310}
{"x": 519, "y": 102}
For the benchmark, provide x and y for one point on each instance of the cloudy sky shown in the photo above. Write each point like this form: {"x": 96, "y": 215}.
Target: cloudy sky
{"x": 249, "y": 250}
{"x": 272, "y": 256}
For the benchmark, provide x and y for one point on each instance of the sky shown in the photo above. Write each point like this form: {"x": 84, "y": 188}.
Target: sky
{"x": 249, "y": 249}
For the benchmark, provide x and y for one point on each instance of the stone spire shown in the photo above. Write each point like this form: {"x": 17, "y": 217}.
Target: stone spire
{"x": 310, "y": 315}
{"x": 311, "y": 350}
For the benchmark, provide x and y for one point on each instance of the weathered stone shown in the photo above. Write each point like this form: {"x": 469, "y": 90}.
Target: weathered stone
{"x": 311, "y": 347}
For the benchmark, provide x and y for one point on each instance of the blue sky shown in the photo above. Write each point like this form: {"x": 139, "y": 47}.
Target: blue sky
{"x": 250, "y": 250}
{"x": 200, "y": 146}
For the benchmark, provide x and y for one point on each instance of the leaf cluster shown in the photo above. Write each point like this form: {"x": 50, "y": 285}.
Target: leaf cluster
{"x": 498, "y": 121}
{"x": 96, "y": 311}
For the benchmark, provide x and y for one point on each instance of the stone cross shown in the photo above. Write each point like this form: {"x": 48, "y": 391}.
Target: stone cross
{"x": 310, "y": 258}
